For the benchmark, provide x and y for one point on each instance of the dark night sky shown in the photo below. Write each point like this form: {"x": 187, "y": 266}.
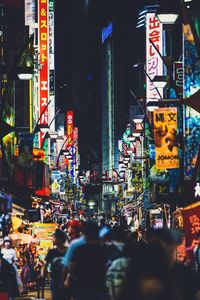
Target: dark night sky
{"x": 78, "y": 56}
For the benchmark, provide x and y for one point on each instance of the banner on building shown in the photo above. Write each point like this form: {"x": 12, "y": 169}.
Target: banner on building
{"x": 154, "y": 63}
{"x": 165, "y": 135}
{"x": 55, "y": 182}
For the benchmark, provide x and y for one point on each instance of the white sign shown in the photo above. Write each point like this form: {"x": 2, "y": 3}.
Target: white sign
{"x": 154, "y": 63}
{"x": 197, "y": 190}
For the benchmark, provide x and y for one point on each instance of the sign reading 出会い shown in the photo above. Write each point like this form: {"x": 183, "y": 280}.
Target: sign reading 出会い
{"x": 165, "y": 134}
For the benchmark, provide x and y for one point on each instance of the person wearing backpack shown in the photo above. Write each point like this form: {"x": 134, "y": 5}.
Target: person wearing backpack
{"x": 54, "y": 258}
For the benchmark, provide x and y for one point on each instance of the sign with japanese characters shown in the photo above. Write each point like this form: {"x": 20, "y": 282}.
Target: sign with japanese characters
{"x": 165, "y": 135}
{"x": 70, "y": 127}
{"x": 154, "y": 63}
{"x": 191, "y": 223}
{"x": 44, "y": 54}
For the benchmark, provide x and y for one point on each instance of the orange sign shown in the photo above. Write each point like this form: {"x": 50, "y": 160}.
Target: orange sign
{"x": 165, "y": 134}
{"x": 44, "y": 75}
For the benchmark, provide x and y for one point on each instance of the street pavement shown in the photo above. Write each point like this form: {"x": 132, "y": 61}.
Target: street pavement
{"x": 33, "y": 295}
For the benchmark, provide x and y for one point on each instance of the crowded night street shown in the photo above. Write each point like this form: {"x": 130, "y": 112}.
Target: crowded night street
{"x": 99, "y": 150}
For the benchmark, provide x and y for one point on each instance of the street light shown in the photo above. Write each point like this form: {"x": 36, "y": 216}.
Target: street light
{"x": 25, "y": 73}
{"x": 152, "y": 105}
{"x": 137, "y": 119}
{"x": 166, "y": 15}
{"x": 160, "y": 81}
{"x": 136, "y": 133}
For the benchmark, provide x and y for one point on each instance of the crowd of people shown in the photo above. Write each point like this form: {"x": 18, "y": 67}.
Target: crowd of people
{"x": 99, "y": 258}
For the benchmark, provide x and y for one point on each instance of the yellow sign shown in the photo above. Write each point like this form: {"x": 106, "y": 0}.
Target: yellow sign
{"x": 44, "y": 230}
{"x": 43, "y": 248}
{"x": 165, "y": 134}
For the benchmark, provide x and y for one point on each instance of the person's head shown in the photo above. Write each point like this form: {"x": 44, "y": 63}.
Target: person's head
{"x": 59, "y": 237}
{"x": 91, "y": 230}
{"x": 7, "y": 242}
{"x": 168, "y": 239}
{"x": 150, "y": 269}
{"x": 118, "y": 234}
{"x": 74, "y": 228}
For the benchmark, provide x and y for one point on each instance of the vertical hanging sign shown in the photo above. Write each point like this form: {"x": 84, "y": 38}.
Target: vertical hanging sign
{"x": 44, "y": 74}
{"x": 165, "y": 134}
{"x": 70, "y": 128}
{"x": 154, "y": 64}
{"x": 51, "y": 65}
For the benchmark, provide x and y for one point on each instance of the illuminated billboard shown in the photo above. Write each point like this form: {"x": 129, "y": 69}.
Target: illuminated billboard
{"x": 154, "y": 63}
{"x": 44, "y": 62}
{"x": 165, "y": 134}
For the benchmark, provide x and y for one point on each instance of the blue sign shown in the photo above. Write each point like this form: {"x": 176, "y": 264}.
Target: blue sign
{"x": 106, "y": 32}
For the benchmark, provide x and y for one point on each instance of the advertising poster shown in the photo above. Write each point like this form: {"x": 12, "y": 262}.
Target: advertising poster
{"x": 44, "y": 230}
{"x": 191, "y": 223}
{"x": 25, "y": 150}
{"x": 165, "y": 135}
{"x": 43, "y": 248}
{"x": 55, "y": 182}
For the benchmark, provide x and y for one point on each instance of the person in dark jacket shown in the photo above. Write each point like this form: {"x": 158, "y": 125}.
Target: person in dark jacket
{"x": 8, "y": 280}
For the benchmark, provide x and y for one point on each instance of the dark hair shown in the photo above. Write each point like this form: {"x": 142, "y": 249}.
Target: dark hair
{"x": 118, "y": 234}
{"x": 60, "y": 235}
{"x": 91, "y": 230}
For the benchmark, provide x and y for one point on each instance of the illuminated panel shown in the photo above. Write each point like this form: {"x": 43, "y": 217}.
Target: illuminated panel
{"x": 44, "y": 74}
{"x": 30, "y": 15}
{"x": 165, "y": 135}
{"x": 70, "y": 128}
{"x": 51, "y": 66}
{"x": 106, "y": 32}
{"x": 154, "y": 64}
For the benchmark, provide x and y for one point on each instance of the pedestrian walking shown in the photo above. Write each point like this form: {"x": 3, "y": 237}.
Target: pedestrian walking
{"x": 54, "y": 258}
{"x": 86, "y": 270}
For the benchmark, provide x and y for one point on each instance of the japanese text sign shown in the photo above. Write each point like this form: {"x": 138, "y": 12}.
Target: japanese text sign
{"x": 165, "y": 134}
{"x": 154, "y": 64}
{"x": 44, "y": 76}
{"x": 191, "y": 223}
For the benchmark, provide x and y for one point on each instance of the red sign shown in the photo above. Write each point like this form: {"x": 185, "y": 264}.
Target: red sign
{"x": 43, "y": 46}
{"x": 70, "y": 128}
{"x": 191, "y": 223}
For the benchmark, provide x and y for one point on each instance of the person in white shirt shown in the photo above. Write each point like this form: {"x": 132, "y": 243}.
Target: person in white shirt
{"x": 8, "y": 252}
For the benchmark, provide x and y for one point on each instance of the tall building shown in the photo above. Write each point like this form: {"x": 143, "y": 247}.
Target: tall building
{"x": 115, "y": 104}
{"x": 108, "y": 130}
